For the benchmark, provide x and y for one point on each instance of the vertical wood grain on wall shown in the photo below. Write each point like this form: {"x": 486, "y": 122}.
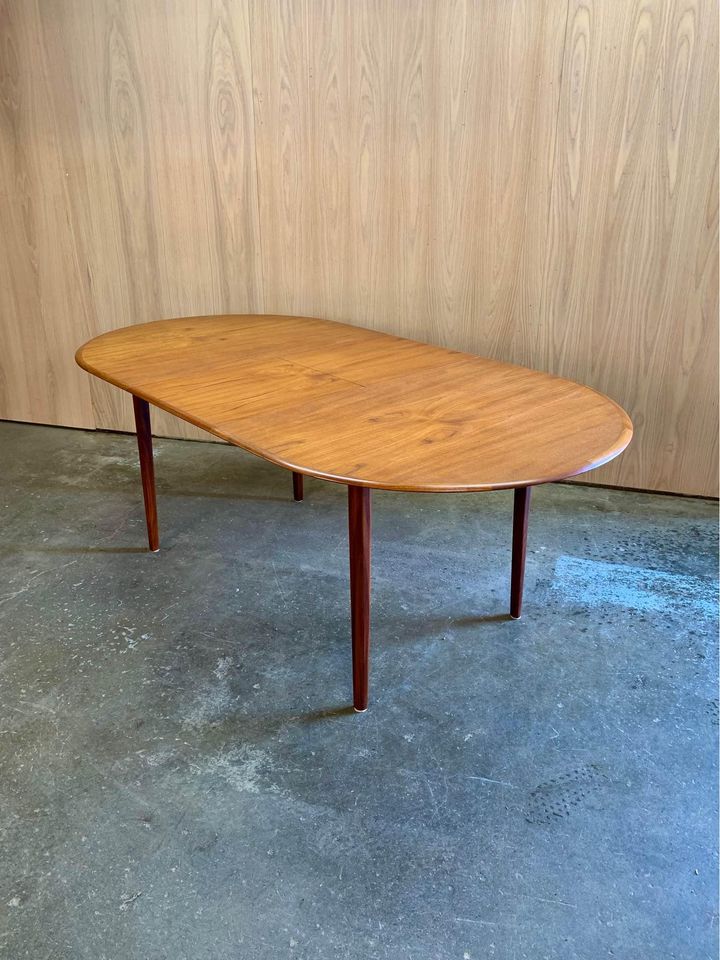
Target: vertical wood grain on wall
{"x": 629, "y": 294}
{"x": 43, "y": 308}
{"x": 535, "y": 180}
{"x": 154, "y": 106}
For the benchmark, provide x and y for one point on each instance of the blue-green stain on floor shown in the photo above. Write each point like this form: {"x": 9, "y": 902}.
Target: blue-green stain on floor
{"x": 596, "y": 583}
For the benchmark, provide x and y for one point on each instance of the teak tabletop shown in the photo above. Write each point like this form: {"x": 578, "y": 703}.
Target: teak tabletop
{"x": 361, "y": 408}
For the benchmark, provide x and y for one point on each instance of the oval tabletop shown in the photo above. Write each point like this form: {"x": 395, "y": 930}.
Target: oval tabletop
{"x": 355, "y": 406}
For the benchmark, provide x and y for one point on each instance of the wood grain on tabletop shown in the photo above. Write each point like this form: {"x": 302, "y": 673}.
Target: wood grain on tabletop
{"x": 353, "y": 405}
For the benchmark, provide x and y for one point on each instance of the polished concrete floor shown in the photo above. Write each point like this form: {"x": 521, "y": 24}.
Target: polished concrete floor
{"x": 181, "y": 776}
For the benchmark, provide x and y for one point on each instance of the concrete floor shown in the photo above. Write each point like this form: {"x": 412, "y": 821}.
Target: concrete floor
{"x": 181, "y": 777}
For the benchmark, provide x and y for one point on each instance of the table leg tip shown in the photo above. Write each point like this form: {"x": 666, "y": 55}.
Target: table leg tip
{"x": 360, "y": 709}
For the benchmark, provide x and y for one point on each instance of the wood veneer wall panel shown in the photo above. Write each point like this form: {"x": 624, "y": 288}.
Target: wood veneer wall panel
{"x": 397, "y": 147}
{"x": 154, "y": 105}
{"x": 43, "y": 310}
{"x": 629, "y": 293}
{"x": 498, "y": 73}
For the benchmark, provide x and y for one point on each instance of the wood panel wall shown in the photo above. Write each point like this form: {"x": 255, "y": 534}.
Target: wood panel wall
{"x": 536, "y": 180}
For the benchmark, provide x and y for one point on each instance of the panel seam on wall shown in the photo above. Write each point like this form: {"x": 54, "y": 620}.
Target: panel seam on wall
{"x": 251, "y": 24}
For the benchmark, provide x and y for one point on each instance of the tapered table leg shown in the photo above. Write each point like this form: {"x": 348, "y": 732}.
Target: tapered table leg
{"x": 521, "y": 510}
{"x": 359, "y": 529}
{"x": 147, "y": 470}
{"x": 297, "y": 486}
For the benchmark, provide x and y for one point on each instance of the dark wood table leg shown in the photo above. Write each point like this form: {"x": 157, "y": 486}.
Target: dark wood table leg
{"x": 359, "y": 528}
{"x": 147, "y": 469}
{"x": 297, "y": 486}
{"x": 521, "y": 510}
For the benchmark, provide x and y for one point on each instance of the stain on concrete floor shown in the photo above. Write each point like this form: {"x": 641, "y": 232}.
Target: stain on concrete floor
{"x": 182, "y": 777}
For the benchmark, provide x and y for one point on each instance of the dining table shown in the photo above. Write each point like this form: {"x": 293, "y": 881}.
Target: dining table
{"x": 365, "y": 409}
